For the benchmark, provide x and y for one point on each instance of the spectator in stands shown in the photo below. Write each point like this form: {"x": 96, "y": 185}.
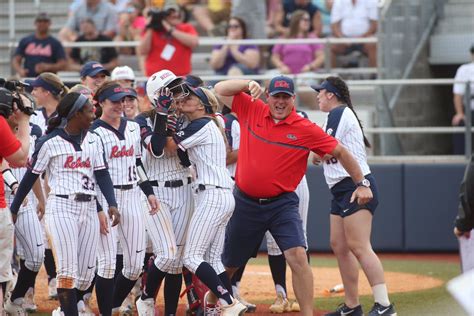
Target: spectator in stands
{"x": 464, "y": 73}
{"x": 93, "y": 75}
{"x": 297, "y": 58}
{"x": 131, "y": 25}
{"x": 354, "y": 18}
{"x": 285, "y": 11}
{"x": 39, "y": 52}
{"x": 235, "y": 59}
{"x": 107, "y": 56}
{"x": 124, "y": 75}
{"x": 168, "y": 42}
{"x": 254, "y": 14}
{"x": 212, "y": 16}
{"x": 101, "y": 12}
{"x": 325, "y": 7}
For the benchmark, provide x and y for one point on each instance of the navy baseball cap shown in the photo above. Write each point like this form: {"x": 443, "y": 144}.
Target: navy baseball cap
{"x": 281, "y": 84}
{"x": 92, "y": 68}
{"x": 40, "y": 82}
{"x": 202, "y": 97}
{"x": 114, "y": 93}
{"x": 130, "y": 92}
{"x": 326, "y": 85}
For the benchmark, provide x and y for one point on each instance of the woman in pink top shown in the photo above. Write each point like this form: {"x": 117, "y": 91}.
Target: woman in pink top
{"x": 298, "y": 58}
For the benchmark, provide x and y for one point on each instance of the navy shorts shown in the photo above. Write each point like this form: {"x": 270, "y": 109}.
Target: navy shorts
{"x": 342, "y": 192}
{"x": 250, "y": 221}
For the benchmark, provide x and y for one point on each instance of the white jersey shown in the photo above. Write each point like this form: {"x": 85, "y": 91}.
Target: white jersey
{"x": 465, "y": 72}
{"x": 206, "y": 147}
{"x": 41, "y": 119}
{"x": 342, "y": 124}
{"x": 232, "y": 131}
{"x": 69, "y": 165}
{"x": 121, "y": 149}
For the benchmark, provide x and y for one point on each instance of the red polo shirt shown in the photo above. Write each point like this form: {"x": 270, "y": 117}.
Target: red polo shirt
{"x": 273, "y": 156}
{"x": 8, "y": 146}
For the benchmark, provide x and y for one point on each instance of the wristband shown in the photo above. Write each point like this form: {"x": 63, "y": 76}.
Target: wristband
{"x": 9, "y": 179}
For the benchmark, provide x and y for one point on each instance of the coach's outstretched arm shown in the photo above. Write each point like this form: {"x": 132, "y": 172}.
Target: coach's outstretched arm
{"x": 226, "y": 90}
{"x": 362, "y": 194}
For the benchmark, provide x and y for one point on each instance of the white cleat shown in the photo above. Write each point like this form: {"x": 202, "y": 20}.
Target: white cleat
{"x": 57, "y": 312}
{"x": 15, "y": 309}
{"x": 29, "y": 301}
{"x": 83, "y": 309}
{"x": 236, "y": 309}
{"x": 146, "y": 307}
{"x": 52, "y": 289}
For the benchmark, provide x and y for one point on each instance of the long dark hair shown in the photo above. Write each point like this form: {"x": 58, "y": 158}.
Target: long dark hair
{"x": 63, "y": 109}
{"x": 243, "y": 25}
{"x": 341, "y": 86}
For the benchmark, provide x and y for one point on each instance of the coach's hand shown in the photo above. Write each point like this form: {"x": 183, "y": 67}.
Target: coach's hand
{"x": 154, "y": 204}
{"x": 163, "y": 100}
{"x": 255, "y": 90}
{"x": 103, "y": 222}
{"x": 114, "y": 215}
{"x": 362, "y": 195}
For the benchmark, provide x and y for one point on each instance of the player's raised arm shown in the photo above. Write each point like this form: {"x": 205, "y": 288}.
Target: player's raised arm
{"x": 226, "y": 90}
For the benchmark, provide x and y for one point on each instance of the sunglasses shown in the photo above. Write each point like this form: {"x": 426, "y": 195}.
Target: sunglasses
{"x": 233, "y": 26}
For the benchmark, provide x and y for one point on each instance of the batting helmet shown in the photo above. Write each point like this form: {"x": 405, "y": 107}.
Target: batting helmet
{"x": 162, "y": 78}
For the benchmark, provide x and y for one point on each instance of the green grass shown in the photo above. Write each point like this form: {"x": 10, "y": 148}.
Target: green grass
{"x": 435, "y": 301}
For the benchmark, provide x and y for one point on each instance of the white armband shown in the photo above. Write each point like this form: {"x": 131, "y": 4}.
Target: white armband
{"x": 9, "y": 179}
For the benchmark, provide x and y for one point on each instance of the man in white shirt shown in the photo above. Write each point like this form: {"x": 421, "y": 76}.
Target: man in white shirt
{"x": 354, "y": 18}
{"x": 464, "y": 73}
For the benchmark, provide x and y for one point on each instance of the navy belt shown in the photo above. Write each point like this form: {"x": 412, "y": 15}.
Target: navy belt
{"x": 79, "y": 197}
{"x": 124, "y": 187}
{"x": 171, "y": 183}
{"x": 202, "y": 187}
{"x": 261, "y": 201}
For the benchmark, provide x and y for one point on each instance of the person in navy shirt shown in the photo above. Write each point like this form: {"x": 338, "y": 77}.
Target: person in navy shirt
{"x": 39, "y": 52}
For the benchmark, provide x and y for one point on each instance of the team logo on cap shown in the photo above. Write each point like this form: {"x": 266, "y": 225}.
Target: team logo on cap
{"x": 96, "y": 65}
{"x": 118, "y": 89}
{"x": 165, "y": 75}
{"x": 281, "y": 84}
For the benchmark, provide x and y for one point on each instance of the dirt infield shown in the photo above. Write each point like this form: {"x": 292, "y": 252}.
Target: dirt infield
{"x": 257, "y": 286}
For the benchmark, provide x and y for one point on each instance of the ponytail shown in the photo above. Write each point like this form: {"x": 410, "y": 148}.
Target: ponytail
{"x": 55, "y": 82}
{"x": 346, "y": 98}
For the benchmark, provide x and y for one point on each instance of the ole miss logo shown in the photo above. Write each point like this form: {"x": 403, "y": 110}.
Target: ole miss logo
{"x": 76, "y": 164}
{"x": 282, "y": 84}
{"x": 122, "y": 152}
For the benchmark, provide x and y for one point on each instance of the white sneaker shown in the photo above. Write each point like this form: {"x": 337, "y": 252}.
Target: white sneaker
{"x": 52, "y": 289}
{"x": 57, "y": 312}
{"x": 146, "y": 307}
{"x": 83, "y": 309}
{"x": 251, "y": 308}
{"x": 236, "y": 309}
{"x": 29, "y": 301}
{"x": 211, "y": 309}
{"x": 15, "y": 309}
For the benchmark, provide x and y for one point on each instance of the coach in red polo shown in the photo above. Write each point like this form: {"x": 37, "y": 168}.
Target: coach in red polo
{"x": 274, "y": 146}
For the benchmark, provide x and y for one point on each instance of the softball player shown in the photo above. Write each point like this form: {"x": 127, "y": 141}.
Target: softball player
{"x": 73, "y": 161}
{"x": 48, "y": 89}
{"x": 122, "y": 149}
{"x": 351, "y": 223}
{"x": 171, "y": 178}
{"x": 28, "y": 233}
{"x": 214, "y": 201}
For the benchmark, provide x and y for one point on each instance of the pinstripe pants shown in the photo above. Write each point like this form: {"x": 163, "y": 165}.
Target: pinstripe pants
{"x": 205, "y": 240}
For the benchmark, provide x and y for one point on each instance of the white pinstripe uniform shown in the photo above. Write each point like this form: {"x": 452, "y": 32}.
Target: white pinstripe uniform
{"x": 215, "y": 204}
{"x": 342, "y": 124}
{"x": 167, "y": 228}
{"x": 28, "y": 231}
{"x": 121, "y": 149}
{"x": 41, "y": 120}
{"x": 72, "y": 225}
{"x": 302, "y": 191}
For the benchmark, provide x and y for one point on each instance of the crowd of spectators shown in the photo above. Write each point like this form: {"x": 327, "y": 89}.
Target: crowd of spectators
{"x": 168, "y": 33}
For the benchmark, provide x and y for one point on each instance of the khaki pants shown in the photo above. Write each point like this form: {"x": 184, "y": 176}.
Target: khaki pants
{"x": 6, "y": 244}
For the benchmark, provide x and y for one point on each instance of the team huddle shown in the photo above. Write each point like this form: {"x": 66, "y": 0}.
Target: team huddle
{"x": 136, "y": 200}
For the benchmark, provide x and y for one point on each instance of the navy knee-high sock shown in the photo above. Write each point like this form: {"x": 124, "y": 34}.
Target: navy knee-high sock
{"x": 68, "y": 300}
{"x": 104, "y": 295}
{"x": 49, "y": 264}
{"x": 122, "y": 287}
{"x": 25, "y": 279}
{"x": 237, "y": 275}
{"x": 172, "y": 288}
{"x": 208, "y": 276}
{"x": 118, "y": 265}
{"x": 153, "y": 282}
{"x": 278, "y": 269}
